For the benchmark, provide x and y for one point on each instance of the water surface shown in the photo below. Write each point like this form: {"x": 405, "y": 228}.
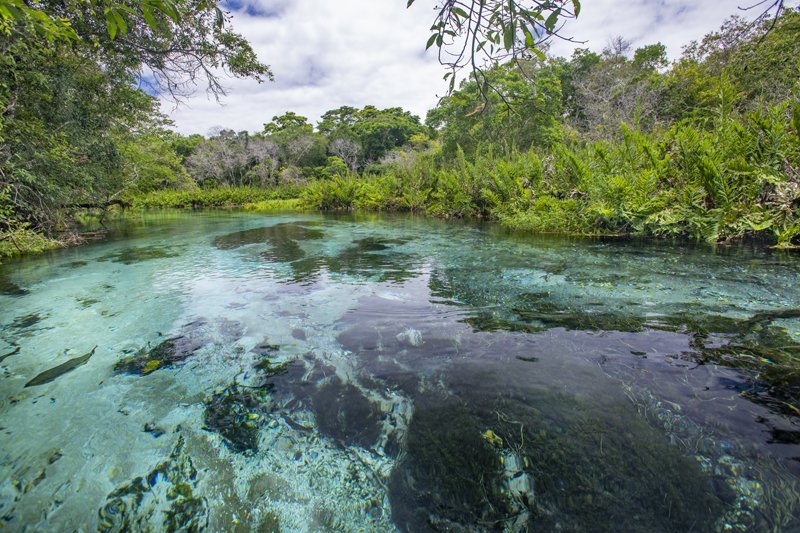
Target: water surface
{"x": 231, "y": 371}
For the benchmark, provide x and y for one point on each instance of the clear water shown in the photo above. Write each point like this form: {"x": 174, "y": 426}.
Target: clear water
{"x": 300, "y": 372}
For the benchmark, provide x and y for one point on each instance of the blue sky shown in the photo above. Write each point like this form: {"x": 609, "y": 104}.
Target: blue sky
{"x": 325, "y": 53}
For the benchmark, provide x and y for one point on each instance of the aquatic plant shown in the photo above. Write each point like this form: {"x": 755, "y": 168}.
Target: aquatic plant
{"x": 54, "y": 373}
{"x": 141, "y": 505}
{"x": 163, "y": 355}
{"x": 343, "y": 413}
{"x": 236, "y": 413}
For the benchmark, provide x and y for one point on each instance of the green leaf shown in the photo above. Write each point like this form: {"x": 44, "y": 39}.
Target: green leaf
{"x": 409, "y": 3}
{"x": 459, "y": 12}
{"x": 508, "y": 37}
{"x": 552, "y": 20}
{"x": 431, "y": 40}
{"x": 577, "y": 7}
{"x": 122, "y": 26}
{"x": 147, "y": 12}
{"x": 111, "y": 25}
{"x": 529, "y": 40}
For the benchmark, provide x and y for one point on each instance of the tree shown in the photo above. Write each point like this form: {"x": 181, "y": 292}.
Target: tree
{"x": 468, "y": 119}
{"x": 380, "y": 130}
{"x": 171, "y": 43}
{"x": 231, "y": 158}
{"x": 348, "y": 150}
{"x": 618, "y": 89}
{"x": 477, "y": 34}
{"x": 338, "y": 121}
{"x": 289, "y": 121}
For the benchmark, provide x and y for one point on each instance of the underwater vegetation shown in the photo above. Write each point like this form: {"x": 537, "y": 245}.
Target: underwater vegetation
{"x": 236, "y": 413}
{"x": 281, "y": 236}
{"x": 26, "y": 321}
{"x": 448, "y": 477}
{"x": 9, "y": 288}
{"x": 130, "y": 256}
{"x": 164, "y": 499}
{"x": 5, "y": 356}
{"x": 163, "y": 355}
{"x": 344, "y": 414}
{"x": 365, "y": 257}
{"x": 67, "y": 366}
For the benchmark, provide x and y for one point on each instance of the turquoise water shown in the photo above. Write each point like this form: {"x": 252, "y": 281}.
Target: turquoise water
{"x": 231, "y": 371}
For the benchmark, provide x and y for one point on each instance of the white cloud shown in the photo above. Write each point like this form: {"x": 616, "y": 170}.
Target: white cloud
{"x": 356, "y": 52}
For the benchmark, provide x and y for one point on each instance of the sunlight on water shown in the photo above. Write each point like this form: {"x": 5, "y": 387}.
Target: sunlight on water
{"x": 297, "y": 372}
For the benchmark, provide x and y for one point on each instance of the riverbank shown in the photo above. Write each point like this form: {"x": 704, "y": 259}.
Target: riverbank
{"x": 519, "y": 210}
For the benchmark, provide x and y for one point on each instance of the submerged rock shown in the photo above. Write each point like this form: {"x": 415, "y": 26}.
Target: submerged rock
{"x": 165, "y": 354}
{"x": 237, "y": 413}
{"x": 68, "y": 366}
{"x": 163, "y": 500}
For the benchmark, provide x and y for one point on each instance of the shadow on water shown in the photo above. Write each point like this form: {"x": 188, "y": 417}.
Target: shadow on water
{"x": 369, "y": 257}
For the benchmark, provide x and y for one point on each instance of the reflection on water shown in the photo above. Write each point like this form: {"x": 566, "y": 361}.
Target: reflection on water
{"x": 229, "y": 371}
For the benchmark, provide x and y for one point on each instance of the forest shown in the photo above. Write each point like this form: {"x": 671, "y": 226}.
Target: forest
{"x": 619, "y": 141}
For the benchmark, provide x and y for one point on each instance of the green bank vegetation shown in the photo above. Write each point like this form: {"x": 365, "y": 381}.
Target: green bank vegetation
{"x": 615, "y": 142}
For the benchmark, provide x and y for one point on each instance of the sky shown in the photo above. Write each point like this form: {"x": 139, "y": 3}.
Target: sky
{"x": 326, "y": 54}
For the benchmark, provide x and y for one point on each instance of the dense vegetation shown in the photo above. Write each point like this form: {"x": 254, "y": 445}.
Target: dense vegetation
{"x": 615, "y": 142}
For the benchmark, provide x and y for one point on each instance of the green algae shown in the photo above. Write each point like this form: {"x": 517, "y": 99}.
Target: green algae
{"x": 236, "y": 413}
{"x": 142, "y": 504}
{"x": 165, "y": 354}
